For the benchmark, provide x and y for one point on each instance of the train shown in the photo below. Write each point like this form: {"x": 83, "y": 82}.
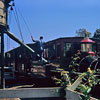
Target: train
{"x": 25, "y": 62}
{"x": 87, "y": 49}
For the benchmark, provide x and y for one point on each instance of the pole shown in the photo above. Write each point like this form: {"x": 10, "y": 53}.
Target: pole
{"x": 2, "y": 60}
{"x": 4, "y": 4}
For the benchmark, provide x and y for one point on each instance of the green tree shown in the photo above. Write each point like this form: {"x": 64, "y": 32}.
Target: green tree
{"x": 83, "y": 33}
{"x": 97, "y": 34}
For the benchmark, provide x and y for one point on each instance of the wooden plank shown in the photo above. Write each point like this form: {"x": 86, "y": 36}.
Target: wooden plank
{"x": 11, "y": 99}
{"x": 30, "y": 93}
{"x": 91, "y": 98}
{"x": 77, "y": 82}
{"x": 73, "y": 95}
{"x": 38, "y": 94}
{"x": 43, "y": 99}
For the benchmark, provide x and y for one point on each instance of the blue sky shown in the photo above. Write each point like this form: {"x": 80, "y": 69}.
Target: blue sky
{"x": 54, "y": 19}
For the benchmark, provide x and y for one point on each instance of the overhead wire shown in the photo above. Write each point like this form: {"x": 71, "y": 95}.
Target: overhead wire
{"x": 10, "y": 15}
{"x": 25, "y": 22}
{"x": 9, "y": 22}
{"x": 18, "y": 23}
{"x": 16, "y": 11}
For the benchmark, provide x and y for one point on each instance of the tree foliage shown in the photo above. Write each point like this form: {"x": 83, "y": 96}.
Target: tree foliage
{"x": 97, "y": 34}
{"x": 83, "y": 33}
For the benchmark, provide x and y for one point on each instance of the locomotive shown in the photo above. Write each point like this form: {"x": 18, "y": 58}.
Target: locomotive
{"x": 89, "y": 56}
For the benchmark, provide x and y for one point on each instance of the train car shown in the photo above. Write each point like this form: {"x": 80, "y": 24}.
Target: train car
{"x": 61, "y": 50}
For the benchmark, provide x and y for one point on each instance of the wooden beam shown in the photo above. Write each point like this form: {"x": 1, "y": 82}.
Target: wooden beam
{"x": 30, "y": 93}
{"x": 11, "y": 99}
{"x": 77, "y": 82}
{"x": 73, "y": 95}
{"x": 38, "y": 94}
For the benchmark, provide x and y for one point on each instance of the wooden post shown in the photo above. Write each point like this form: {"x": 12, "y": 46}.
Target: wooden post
{"x": 72, "y": 95}
{"x": 2, "y": 60}
{"x": 4, "y": 4}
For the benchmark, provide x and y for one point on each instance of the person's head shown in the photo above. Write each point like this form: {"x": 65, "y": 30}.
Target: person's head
{"x": 78, "y": 51}
{"x": 41, "y": 37}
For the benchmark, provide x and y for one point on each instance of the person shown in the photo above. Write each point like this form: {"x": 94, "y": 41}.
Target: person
{"x": 39, "y": 46}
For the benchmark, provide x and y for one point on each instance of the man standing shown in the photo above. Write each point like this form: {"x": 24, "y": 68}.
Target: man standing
{"x": 39, "y": 46}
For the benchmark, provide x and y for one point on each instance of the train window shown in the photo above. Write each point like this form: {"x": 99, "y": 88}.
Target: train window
{"x": 67, "y": 47}
{"x": 54, "y": 46}
{"x": 22, "y": 66}
{"x": 94, "y": 47}
{"x": 46, "y": 53}
{"x": 8, "y": 55}
{"x": 20, "y": 56}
